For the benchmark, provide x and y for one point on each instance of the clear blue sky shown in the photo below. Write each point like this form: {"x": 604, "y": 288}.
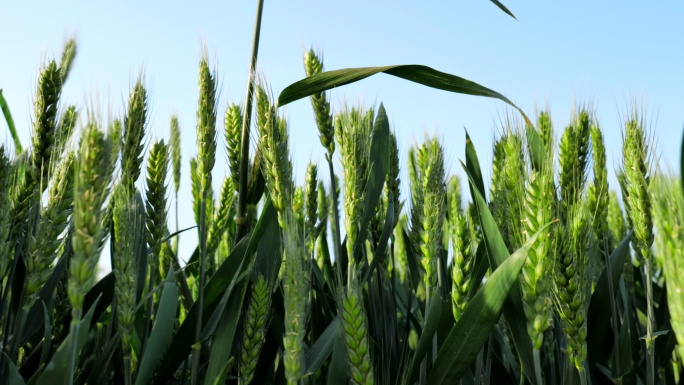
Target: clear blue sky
{"x": 604, "y": 53}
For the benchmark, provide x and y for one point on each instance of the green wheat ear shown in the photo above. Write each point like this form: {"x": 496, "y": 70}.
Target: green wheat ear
{"x": 355, "y": 334}
{"x": 508, "y": 188}
{"x": 125, "y": 226}
{"x": 295, "y": 283}
{"x": 53, "y": 220}
{"x": 36, "y": 177}
{"x": 393, "y": 182}
{"x": 68, "y": 55}
{"x": 91, "y": 181}
{"x": 156, "y": 204}
{"x": 463, "y": 257}
{"x": 314, "y": 65}
{"x": 254, "y": 329}
{"x": 570, "y": 275}
{"x": 598, "y": 203}
{"x": 428, "y": 216}
{"x": 276, "y": 165}
{"x": 233, "y": 125}
{"x": 616, "y": 220}
{"x": 174, "y": 148}
{"x": 535, "y": 282}
{"x": 311, "y": 204}
{"x": 219, "y": 224}
{"x": 133, "y": 134}
{"x": 668, "y": 212}
{"x": 636, "y": 185}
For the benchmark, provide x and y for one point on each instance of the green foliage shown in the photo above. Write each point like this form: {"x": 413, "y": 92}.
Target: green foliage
{"x": 526, "y": 284}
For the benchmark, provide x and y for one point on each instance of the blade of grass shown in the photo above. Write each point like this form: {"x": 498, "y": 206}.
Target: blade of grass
{"x": 320, "y": 351}
{"x": 416, "y": 73}
{"x": 161, "y": 335}
{"x": 18, "y": 149}
{"x": 503, "y": 8}
{"x": 475, "y": 325}
{"x": 13, "y": 375}
{"x": 56, "y": 370}
{"x": 498, "y": 253}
